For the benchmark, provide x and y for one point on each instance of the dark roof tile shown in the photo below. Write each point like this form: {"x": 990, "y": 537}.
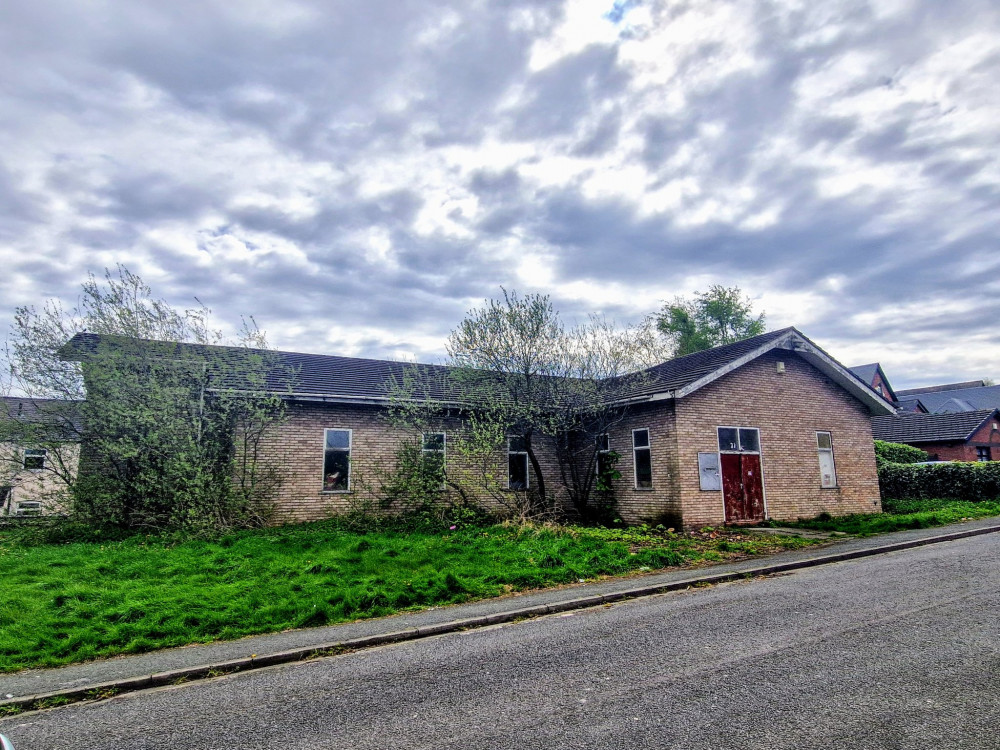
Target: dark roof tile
{"x": 929, "y": 428}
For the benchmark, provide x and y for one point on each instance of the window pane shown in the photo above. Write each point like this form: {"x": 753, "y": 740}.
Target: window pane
{"x": 602, "y": 442}
{"x": 517, "y": 467}
{"x": 517, "y": 445}
{"x": 643, "y": 468}
{"x": 336, "y": 470}
{"x": 823, "y": 441}
{"x": 729, "y": 439}
{"x": 749, "y": 440}
{"x": 338, "y": 439}
{"x": 34, "y": 458}
{"x": 640, "y": 438}
{"x": 433, "y": 441}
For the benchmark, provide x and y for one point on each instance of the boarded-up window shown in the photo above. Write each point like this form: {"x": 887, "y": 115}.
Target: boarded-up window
{"x": 708, "y": 471}
{"x": 827, "y": 466}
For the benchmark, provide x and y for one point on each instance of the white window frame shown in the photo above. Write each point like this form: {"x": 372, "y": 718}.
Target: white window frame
{"x": 349, "y": 452}
{"x": 443, "y": 451}
{"x": 739, "y": 440}
{"x": 648, "y": 447}
{"x": 27, "y": 508}
{"x": 601, "y": 451}
{"x": 833, "y": 460}
{"x": 527, "y": 467}
{"x": 34, "y": 453}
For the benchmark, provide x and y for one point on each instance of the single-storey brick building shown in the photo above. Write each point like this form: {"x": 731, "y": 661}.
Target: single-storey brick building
{"x": 768, "y": 427}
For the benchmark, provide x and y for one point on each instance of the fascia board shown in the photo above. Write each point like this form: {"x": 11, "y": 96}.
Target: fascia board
{"x": 877, "y": 406}
{"x": 992, "y": 415}
{"x": 735, "y": 364}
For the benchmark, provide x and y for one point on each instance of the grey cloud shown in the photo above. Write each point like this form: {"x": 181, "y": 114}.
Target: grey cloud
{"x": 561, "y": 95}
{"x": 20, "y": 207}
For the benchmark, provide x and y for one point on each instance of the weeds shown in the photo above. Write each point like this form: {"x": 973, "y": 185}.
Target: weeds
{"x": 83, "y": 600}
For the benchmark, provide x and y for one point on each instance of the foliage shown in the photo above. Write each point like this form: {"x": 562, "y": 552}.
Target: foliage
{"x": 72, "y": 602}
{"x": 899, "y": 453}
{"x": 973, "y": 482}
{"x": 713, "y": 318}
{"x": 903, "y": 514}
{"x": 517, "y": 373}
{"x": 170, "y": 432}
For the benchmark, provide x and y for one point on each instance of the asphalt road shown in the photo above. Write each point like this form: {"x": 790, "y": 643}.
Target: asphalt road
{"x": 894, "y": 651}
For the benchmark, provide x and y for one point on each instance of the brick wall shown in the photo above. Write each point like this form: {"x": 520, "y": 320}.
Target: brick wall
{"x": 297, "y": 448}
{"x": 788, "y": 408}
{"x": 985, "y": 436}
{"x": 661, "y": 502}
{"x": 37, "y": 485}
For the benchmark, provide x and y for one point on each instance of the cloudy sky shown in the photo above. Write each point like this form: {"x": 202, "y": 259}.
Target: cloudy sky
{"x": 358, "y": 175}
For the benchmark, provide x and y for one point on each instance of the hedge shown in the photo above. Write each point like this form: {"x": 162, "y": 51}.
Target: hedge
{"x": 974, "y": 482}
{"x": 898, "y": 453}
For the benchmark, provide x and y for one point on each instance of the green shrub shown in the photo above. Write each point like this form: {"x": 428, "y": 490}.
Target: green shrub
{"x": 898, "y": 453}
{"x": 975, "y": 482}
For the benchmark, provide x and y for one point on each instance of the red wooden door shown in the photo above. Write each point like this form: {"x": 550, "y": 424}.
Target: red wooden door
{"x": 753, "y": 487}
{"x": 742, "y": 487}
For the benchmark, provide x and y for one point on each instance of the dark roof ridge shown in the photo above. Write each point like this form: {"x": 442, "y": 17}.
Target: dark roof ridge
{"x": 85, "y": 335}
{"x": 964, "y": 386}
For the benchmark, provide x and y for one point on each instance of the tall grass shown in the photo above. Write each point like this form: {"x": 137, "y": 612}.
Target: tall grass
{"x": 71, "y": 602}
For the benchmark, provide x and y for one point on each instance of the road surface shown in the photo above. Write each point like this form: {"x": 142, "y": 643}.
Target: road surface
{"x": 893, "y": 651}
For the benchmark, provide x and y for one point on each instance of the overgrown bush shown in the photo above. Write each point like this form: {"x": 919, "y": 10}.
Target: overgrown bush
{"x": 976, "y": 482}
{"x": 898, "y": 453}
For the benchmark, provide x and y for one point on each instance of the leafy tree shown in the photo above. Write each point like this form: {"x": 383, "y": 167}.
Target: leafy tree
{"x": 170, "y": 426}
{"x": 520, "y": 375}
{"x": 713, "y": 318}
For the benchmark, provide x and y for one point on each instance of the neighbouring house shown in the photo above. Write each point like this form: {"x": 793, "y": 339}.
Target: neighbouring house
{"x": 768, "y": 427}
{"x": 947, "y": 436}
{"x": 874, "y": 377}
{"x": 39, "y": 455}
{"x": 974, "y": 395}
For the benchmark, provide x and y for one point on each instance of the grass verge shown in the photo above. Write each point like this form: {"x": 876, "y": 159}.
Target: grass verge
{"x": 64, "y": 603}
{"x": 900, "y": 515}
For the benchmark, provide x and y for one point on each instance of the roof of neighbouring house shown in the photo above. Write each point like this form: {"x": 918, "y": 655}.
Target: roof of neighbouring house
{"x": 955, "y": 399}
{"x": 61, "y": 413}
{"x": 930, "y": 428}
{"x": 867, "y": 373}
{"x": 349, "y": 379}
{"x": 943, "y": 387}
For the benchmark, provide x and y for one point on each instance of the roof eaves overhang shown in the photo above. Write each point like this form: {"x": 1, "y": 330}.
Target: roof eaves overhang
{"x": 992, "y": 415}
{"x": 335, "y": 398}
{"x": 794, "y": 341}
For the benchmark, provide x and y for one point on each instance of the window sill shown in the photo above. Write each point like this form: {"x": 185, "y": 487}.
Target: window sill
{"x": 643, "y": 489}
{"x": 835, "y": 487}
{"x": 336, "y": 492}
